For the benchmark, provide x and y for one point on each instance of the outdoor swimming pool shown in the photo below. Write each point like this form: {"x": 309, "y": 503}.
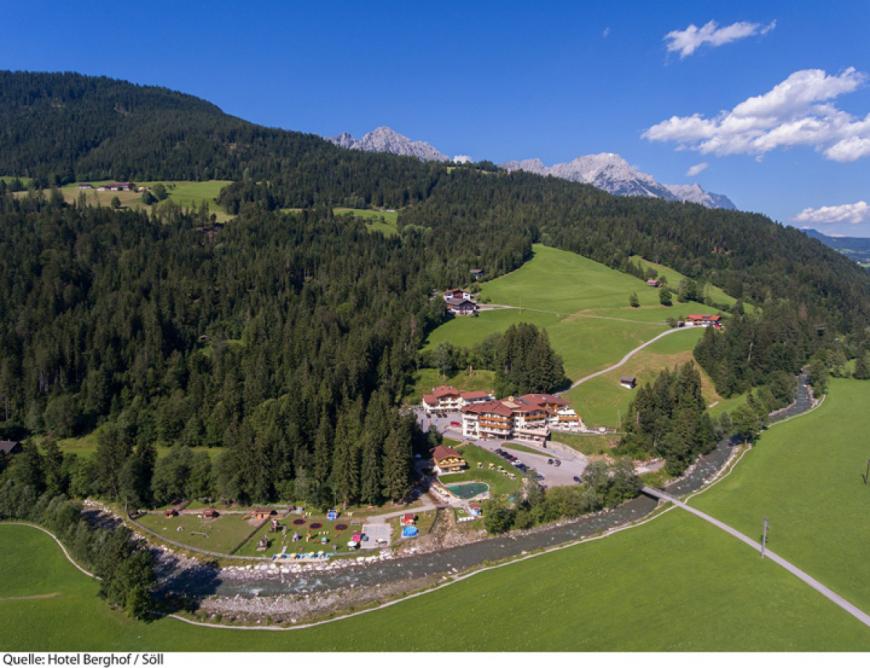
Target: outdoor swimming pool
{"x": 468, "y": 490}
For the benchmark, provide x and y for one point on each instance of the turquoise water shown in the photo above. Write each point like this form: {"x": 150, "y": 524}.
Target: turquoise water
{"x": 468, "y": 490}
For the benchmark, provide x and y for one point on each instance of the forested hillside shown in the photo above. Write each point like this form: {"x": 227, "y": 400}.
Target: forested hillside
{"x": 290, "y": 338}
{"x": 273, "y": 340}
{"x": 59, "y": 128}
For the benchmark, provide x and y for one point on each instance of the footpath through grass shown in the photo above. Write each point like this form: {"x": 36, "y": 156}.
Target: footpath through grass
{"x": 583, "y": 305}
{"x": 805, "y": 476}
{"x": 675, "y": 583}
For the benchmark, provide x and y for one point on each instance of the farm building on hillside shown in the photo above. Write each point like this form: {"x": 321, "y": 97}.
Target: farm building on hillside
{"x": 653, "y": 282}
{"x": 118, "y": 186}
{"x": 629, "y": 382}
{"x": 447, "y": 460}
{"x": 476, "y": 273}
{"x": 461, "y": 307}
{"x": 704, "y": 320}
{"x": 456, "y": 294}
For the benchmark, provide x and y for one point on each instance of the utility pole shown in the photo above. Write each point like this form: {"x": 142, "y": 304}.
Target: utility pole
{"x": 763, "y": 537}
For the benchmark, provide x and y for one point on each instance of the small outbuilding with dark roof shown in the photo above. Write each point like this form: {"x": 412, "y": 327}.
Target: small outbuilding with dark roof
{"x": 10, "y": 447}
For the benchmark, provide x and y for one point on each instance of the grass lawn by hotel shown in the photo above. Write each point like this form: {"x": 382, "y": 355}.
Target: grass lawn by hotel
{"x": 499, "y": 483}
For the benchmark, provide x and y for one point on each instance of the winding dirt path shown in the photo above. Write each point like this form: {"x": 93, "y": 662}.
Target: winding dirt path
{"x": 628, "y": 356}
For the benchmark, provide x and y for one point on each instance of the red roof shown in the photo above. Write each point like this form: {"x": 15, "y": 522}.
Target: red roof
{"x": 543, "y": 399}
{"x": 445, "y": 391}
{"x": 711, "y": 318}
{"x": 474, "y": 394}
{"x": 444, "y": 452}
{"x": 496, "y": 407}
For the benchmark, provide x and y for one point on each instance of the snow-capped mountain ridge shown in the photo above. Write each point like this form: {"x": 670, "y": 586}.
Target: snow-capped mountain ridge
{"x": 608, "y": 171}
{"x": 612, "y": 173}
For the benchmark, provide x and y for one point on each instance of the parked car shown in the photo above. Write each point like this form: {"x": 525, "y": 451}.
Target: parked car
{"x": 557, "y": 463}
{"x": 577, "y": 479}
{"x": 454, "y": 423}
{"x": 550, "y": 461}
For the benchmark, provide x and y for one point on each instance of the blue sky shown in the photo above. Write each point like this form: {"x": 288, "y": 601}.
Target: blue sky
{"x": 502, "y": 80}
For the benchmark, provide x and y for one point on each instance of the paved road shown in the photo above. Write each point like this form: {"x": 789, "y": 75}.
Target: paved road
{"x": 627, "y": 357}
{"x": 835, "y": 598}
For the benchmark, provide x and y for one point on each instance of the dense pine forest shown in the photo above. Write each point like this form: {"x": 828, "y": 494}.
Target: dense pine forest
{"x": 290, "y": 338}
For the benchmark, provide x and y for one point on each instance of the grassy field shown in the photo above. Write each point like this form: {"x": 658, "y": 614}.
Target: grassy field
{"x": 499, "y": 483}
{"x": 377, "y": 220}
{"x": 582, "y": 304}
{"x": 86, "y": 446}
{"x": 805, "y": 477}
{"x": 426, "y": 379}
{"x": 715, "y": 294}
{"x": 602, "y": 401}
{"x": 25, "y": 180}
{"x": 184, "y": 193}
{"x": 222, "y": 534}
{"x": 676, "y": 583}
{"x": 588, "y": 444}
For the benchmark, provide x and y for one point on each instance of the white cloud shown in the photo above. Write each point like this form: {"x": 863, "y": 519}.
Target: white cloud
{"x": 694, "y": 170}
{"x": 854, "y": 214}
{"x": 606, "y": 32}
{"x": 796, "y": 112}
{"x": 462, "y": 159}
{"x": 686, "y": 42}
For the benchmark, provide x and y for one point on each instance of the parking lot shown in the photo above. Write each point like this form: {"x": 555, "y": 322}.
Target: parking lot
{"x": 571, "y": 464}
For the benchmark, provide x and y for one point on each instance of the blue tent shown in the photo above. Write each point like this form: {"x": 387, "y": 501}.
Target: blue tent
{"x": 332, "y": 515}
{"x": 409, "y": 532}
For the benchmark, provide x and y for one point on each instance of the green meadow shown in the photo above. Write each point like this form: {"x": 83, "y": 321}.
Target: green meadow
{"x": 805, "y": 476}
{"x": 676, "y": 583}
{"x": 384, "y": 221}
{"x": 86, "y": 446}
{"x": 673, "y": 583}
{"x": 188, "y": 194}
{"x": 715, "y": 294}
{"x": 583, "y": 305}
{"x": 603, "y": 400}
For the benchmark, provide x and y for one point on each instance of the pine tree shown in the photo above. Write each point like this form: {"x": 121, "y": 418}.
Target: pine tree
{"x": 53, "y": 466}
{"x": 346, "y": 453}
{"x": 323, "y": 451}
{"x": 398, "y": 462}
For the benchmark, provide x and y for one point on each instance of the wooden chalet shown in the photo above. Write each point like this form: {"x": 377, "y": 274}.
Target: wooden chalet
{"x": 447, "y": 460}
